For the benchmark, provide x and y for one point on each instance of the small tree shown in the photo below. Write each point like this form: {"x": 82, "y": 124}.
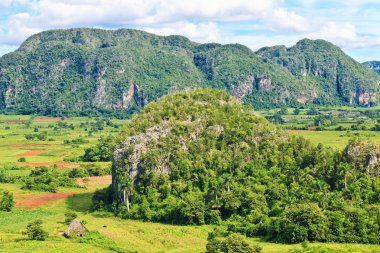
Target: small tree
{"x": 22, "y": 159}
{"x": 35, "y": 232}
{"x": 6, "y": 202}
{"x": 126, "y": 185}
{"x": 70, "y": 216}
{"x": 238, "y": 243}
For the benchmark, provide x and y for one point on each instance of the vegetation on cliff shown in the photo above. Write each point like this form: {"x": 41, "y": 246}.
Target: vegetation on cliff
{"x": 202, "y": 157}
{"x": 93, "y": 71}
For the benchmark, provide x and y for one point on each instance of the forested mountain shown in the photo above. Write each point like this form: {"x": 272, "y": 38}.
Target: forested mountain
{"x": 80, "y": 71}
{"x": 333, "y": 75}
{"x": 202, "y": 157}
{"x": 374, "y": 65}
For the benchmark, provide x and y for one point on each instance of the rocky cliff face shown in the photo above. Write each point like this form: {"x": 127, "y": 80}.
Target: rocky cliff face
{"x": 364, "y": 155}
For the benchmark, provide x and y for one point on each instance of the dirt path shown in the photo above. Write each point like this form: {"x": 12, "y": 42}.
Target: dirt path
{"x": 38, "y": 201}
{"x": 31, "y": 153}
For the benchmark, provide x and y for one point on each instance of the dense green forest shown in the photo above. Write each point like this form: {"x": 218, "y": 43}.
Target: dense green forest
{"x": 201, "y": 157}
{"x": 93, "y": 71}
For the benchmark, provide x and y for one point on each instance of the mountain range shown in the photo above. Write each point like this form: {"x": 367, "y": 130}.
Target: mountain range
{"x": 374, "y": 65}
{"x": 85, "y": 71}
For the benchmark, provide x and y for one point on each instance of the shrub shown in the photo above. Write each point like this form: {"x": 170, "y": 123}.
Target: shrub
{"x": 70, "y": 216}
{"x": 47, "y": 179}
{"x": 35, "y": 232}
{"x": 22, "y": 159}
{"x": 101, "y": 152}
{"x": 6, "y": 202}
{"x": 234, "y": 242}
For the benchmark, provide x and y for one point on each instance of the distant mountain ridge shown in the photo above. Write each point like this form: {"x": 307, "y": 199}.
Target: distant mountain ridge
{"x": 374, "y": 65}
{"x": 85, "y": 71}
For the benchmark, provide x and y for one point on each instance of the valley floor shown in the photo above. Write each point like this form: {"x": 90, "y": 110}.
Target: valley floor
{"x": 121, "y": 235}
{"x": 116, "y": 235}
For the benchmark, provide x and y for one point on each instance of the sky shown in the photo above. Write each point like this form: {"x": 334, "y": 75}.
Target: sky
{"x": 353, "y": 25}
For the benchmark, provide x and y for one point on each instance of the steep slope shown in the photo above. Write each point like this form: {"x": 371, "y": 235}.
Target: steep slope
{"x": 328, "y": 68}
{"x": 84, "y": 71}
{"x": 200, "y": 157}
{"x": 374, "y": 65}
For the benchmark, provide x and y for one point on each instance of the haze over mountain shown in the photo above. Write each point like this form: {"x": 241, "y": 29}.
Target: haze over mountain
{"x": 79, "y": 71}
{"x": 374, "y": 65}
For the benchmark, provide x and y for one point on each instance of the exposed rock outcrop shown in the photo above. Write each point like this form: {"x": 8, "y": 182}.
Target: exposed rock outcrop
{"x": 364, "y": 155}
{"x": 263, "y": 83}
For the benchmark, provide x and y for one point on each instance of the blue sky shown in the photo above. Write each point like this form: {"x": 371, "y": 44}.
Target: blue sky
{"x": 354, "y": 25}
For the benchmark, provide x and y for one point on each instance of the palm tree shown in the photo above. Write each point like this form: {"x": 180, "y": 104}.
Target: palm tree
{"x": 345, "y": 170}
{"x": 126, "y": 185}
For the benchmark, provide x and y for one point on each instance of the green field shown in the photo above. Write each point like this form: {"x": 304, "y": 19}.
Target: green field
{"x": 126, "y": 234}
{"x": 117, "y": 235}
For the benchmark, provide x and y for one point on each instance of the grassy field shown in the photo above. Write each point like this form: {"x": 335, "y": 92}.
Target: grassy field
{"x": 128, "y": 235}
{"x": 116, "y": 235}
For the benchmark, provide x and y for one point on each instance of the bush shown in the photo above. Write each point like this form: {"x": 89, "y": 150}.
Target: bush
{"x": 78, "y": 173}
{"x": 238, "y": 243}
{"x": 22, "y": 159}
{"x": 35, "y": 232}
{"x": 6, "y": 202}
{"x": 47, "y": 179}
{"x": 70, "y": 216}
{"x": 233, "y": 243}
{"x": 101, "y": 152}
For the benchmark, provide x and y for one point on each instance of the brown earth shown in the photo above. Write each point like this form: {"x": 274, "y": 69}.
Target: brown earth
{"x": 95, "y": 181}
{"x": 14, "y": 120}
{"x": 46, "y": 119}
{"x": 46, "y": 198}
{"x": 60, "y": 165}
{"x": 31, "y": 153}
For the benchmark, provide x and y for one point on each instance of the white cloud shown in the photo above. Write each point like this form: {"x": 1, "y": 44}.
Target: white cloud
{"x": 202, "y": 32}
{"x": 255, "y": 23}
{"x": 194, "y": 18}
{"x": 281, "y": 19}
{"x": 341, "y": 34}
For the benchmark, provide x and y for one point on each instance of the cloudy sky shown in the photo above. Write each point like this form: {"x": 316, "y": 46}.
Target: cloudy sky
{"x": 354, "y": 25}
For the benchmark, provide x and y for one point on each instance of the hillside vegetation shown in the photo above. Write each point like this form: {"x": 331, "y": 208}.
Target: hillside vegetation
{"x": 201, "y": 157}
{"x": 91, "y": 71}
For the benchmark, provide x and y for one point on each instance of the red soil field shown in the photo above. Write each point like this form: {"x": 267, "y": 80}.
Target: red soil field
{"x": 36, "y": 202}
{"x": 60, "y": 165}
{"x": 96, "y": 181}
{"x": 46, "y": 119}
{"x": 31, "y": 153}
{"x": 14, "y": 120}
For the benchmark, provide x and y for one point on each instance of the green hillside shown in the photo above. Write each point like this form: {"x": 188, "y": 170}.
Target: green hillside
{"x": 201, "y": 157}
{"x": 87, "y": 71}
{"x": 325, "y": 67}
